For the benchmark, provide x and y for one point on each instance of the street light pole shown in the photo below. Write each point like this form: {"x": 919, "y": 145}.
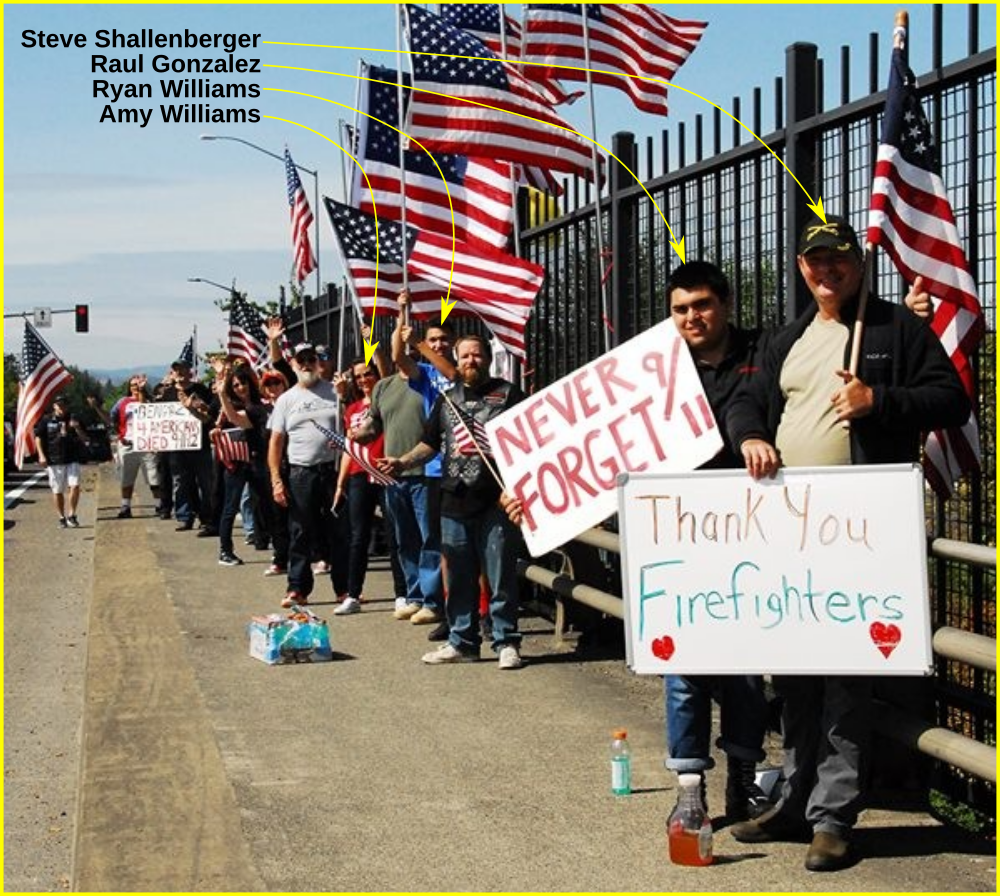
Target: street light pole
{"x": 316, "y": 209}
{"x": 229, "y": 289}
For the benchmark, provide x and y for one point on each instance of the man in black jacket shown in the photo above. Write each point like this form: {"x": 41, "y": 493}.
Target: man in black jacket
{"x": 805, "y": 408}
{"x": 700, "y": 302}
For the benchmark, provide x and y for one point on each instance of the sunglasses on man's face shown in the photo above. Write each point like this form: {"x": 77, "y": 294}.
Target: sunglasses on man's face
{"x": 307, "y": 359}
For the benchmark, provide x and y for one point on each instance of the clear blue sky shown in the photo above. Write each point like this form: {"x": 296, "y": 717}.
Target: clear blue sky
{"x": 120, "y": 216}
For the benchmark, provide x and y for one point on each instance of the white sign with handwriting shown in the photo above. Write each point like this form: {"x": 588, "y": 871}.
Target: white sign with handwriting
{"x": 640, "y": 407}
{"x": 817, "y": 571}
{"x": 164, "y": 426}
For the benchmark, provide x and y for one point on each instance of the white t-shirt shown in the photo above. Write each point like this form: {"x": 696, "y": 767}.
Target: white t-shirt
{"x": 294, "y": 413}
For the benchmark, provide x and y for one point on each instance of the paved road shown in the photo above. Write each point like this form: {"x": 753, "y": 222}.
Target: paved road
{"x": 202, "y": 769}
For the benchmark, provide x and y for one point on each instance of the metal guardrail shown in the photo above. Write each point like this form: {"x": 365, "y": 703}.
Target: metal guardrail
{"x": 955, "y": 644}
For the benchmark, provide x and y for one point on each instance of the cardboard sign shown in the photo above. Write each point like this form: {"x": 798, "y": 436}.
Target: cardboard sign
{"x": 638, "y": 408}
{"x": 817, "y": 571}
{"x": 164, "y": 426}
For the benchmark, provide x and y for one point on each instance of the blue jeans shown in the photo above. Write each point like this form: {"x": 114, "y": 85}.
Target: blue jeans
{"x": 487, "y": 543}
{"x": 194, "y": 489}
{"x": 743, "y": 712}
{"x": 362, "y": 499}
{"x": 416, "y": 521}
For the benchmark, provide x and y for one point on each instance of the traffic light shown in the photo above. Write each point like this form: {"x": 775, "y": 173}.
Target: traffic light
{"x": 82, "y": 318}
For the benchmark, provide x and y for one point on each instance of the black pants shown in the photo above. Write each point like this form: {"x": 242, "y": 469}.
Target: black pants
{"x": 312, "y": 529}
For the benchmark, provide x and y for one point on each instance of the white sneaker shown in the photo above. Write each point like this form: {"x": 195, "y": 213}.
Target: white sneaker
{"x": 510, "y": 658}
{"x": 349, "y": 606}
{"x": 406, "y": 611}
{"x": 448, "y": 653}
{"x": 321, "y": 567}
{"x": 400, "y": 603}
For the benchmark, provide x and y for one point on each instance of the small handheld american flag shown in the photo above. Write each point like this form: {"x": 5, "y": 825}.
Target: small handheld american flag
{"x": 358, "y": 453}
{"x": 231, "y": 447}
{"x": 470, "y": 435}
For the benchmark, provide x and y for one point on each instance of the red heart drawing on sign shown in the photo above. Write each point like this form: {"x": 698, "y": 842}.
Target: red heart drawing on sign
{"x": 663, "y": 648}
{"x": 885, "y": 637}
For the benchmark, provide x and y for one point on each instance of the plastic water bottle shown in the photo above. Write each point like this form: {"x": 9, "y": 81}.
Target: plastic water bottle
{"x": 689, "y": 829}
{"x": 621, "y": 763}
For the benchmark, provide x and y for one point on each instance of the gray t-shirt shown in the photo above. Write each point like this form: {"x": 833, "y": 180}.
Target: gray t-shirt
{"x": 400, "y": 412}
{"x": 294, "y": 413}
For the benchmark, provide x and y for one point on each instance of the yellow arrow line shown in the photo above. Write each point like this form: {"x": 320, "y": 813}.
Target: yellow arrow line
{"x": 814, "y": 205}
{"x": 451, "y": 207}
{"x": 678, "y": 245}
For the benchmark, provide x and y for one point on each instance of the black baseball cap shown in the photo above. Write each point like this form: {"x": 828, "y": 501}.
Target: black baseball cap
{"x": 304, "y": 348}
{"x": 835, "y": 234}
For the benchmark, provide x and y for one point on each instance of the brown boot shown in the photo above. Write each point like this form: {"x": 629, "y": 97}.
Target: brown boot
{"x": 771, "y": 827}
{"x": 828, "y": 852}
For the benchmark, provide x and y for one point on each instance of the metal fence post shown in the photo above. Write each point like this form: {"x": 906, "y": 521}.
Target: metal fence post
{"x": 623, "y": 242}
{"x": 801, "y": 103}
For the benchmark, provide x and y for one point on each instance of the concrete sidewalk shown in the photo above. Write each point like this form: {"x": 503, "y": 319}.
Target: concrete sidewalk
{"x": 204, "y": 769}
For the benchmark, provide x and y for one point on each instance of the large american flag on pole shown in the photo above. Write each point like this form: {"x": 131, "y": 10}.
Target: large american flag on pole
{"x": 626, "y": 39}
{"x": 911, "y": 219}
{"x": 479, "y": 189}
{"x": 302, "y": 219}
{"x": 247, "y": 338}
{"x": 483, "y": 106}
{"x": 482, "y": 20}
{"x": 42, "y": 375}
{"x": 498, "y": 288}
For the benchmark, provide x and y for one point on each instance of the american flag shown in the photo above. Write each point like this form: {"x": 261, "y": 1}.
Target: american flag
{"x": 42, "y": 375}
{"x": 247, "y": 338}
{"x": 470, "y": 434}
{"x": 231, "y": 447}
{"x": 483, "y": 106}
{"x": 187, "y": 353}
{"x": 358, "y": 453}
{"x": 910, "y": 217}
{"x": 626, "y": 39}
{"x": 302, "y": 219}
{"x": 479, "y": 189}
{"x": 499, "y": 288}
{"x": 482, "y": 20}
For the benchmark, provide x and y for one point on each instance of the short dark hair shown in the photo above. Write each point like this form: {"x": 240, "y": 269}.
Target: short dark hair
{"x": 699, "y": 273}
{"x": 444, "y": 326}
{"x": 475, "y": 337}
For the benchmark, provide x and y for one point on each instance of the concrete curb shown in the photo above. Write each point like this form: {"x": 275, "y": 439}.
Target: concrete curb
{"x": 156, "y": 811}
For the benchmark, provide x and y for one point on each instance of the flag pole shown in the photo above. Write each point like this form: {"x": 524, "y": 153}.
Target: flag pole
{"x": 899, "y": 42}
{"x": 402, "y": 152}
{"x": 194, "y": 348}
{"x": 518, "y": 367}
{"x": 597, "y": 179}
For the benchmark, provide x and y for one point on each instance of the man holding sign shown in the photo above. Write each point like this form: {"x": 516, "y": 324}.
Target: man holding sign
{"x": 805, "y": 408}
{"x": 476, "y": 535}
{"x": 699, "y": 297}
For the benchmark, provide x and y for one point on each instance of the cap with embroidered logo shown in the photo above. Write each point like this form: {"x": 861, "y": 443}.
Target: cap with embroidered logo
{"x": 835, "y": 234}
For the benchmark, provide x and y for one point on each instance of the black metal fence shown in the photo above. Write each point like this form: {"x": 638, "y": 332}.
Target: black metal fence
{"x": 737, "y": 207}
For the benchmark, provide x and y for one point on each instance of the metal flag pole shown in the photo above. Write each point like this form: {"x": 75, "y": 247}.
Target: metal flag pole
{"x": 400, "y": 120}
{"x": 899, "y": 42}
{"x": 518, "y": 367}
{"x": 597, "y": 181}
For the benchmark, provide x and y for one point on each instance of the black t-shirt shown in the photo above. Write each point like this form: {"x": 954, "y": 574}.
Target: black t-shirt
{"x": 59, "y": 439}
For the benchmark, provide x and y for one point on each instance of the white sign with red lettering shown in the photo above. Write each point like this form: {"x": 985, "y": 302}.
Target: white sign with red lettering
{"x": 639, "y": 408}
{"x": 164, "y": 426}
{"x": 817, "y": 571}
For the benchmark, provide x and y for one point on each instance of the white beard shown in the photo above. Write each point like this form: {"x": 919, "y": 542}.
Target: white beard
{"x": 307, "y": 378}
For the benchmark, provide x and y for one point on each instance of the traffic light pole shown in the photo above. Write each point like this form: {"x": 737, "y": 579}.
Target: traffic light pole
{"x": 82, "y": 313}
